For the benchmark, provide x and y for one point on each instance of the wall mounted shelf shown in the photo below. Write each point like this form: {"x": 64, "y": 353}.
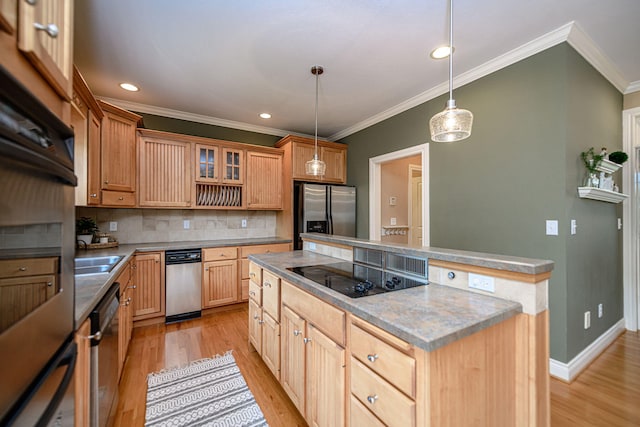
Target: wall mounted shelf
{"x": 600, "y": 194}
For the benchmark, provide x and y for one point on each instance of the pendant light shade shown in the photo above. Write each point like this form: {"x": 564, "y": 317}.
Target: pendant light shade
{"x": 453, "y": 123}
{"x": 316, "y": 167}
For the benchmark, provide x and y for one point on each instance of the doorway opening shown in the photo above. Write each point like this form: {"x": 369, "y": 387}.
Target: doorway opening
{"x": 399, "y": 196}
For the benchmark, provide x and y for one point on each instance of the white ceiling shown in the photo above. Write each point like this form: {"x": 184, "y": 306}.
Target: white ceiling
{"x": 224, "y": 62}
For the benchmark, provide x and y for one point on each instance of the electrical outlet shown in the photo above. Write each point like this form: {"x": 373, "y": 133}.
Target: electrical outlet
{"x": 186, "y": 224}
{"x": 312, "y": 246}
{"x": 619, "y": 223}
{"x": 552, "y": 227}
{"x": 600, "y": 311}
{"x": 393, "y": 221}
{"x": 484, "y": 283}
{"x": 244, "y": 223}
{"x": 587, "y": 319}
{"x": 574, "y": 226}
{"x": 113, "y": 226}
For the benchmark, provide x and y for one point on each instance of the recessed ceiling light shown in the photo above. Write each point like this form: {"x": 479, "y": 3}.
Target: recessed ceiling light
{"x": 130, "y": 87}
{"x": 265, "y": 115}
{"x": 440, "y": 52}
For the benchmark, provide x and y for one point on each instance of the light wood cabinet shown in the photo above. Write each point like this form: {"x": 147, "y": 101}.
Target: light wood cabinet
{"x": 299, "y": 150}
{"x": 246, "y": 273}
{"x": 271, "y": 294}
{"x": 322, "y": 357}
{"x": 149, "y": 293}
{"x": 264, "y": 180}
{"x": 118, "y": 153}
{"x": 271, "y": 343}
{"x": 219, "y": 164}
{"x": 45, "y": 36}
{"x": 86, "y": 121}
{"x": 255, "y": 326}
{"x": 26, "y": 284}
{"x": 164, "y": 171}
{"x": 127, "y": 288}
{"x": 219, "y": 283}
{"x": 82, "y": 375}
{"x": 8, "y": 15}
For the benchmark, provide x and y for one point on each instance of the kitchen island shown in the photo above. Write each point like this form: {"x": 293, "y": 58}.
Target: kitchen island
{"x": 439, "y": 354}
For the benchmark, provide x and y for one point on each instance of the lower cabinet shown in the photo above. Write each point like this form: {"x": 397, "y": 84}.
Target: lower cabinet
{"x": 127, "y": 287}
{"x": 312, "y": 364}
{"x": 219, "y": 277}
{"x": 82, "y": 375}
{"x": 149, "y": 293}
{"x": 245, "y": 251}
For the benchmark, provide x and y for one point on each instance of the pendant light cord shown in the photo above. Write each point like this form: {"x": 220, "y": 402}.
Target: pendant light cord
{"x": 316, "y": 134}
{"x": 450, "y": 50}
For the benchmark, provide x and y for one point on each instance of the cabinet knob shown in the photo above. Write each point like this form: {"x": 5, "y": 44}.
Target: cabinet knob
{"x": 252, "y": 293}
{"x": 97, "y": 336}
{"x": 206, "y": 269}
{"x": 306, "y": 340}
{"x": 297, "y": 332}
{"x": 372, "y": 399}
{"x": 51, "y": 29}
{"x": 260, "y": 322}
{"x": 267, "y": 284}
{"x": 49, "y": 284}
{"x": 107, "y": 182}
{"x": 94, "y": 195}
{"x": 120, "y": 198}
{"x": 255, "y": 316}
{"x": 22, "y": 268}
{"x": 133, "y": 287}
{"x": 372, "y": 357}
{"x": 252, "y": 274}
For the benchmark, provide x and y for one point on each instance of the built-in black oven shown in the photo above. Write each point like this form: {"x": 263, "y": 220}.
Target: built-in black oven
{"x": 37, "y": 239}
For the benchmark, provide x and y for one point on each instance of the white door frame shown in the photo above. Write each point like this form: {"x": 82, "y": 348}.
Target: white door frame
{"x": 375, "y": 225}
{"x": 631, "y": 233}
{"x": 412, "y": 169}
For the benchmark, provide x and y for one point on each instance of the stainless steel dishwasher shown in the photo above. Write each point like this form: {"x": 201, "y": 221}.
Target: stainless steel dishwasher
{"x": 183, "y": 281}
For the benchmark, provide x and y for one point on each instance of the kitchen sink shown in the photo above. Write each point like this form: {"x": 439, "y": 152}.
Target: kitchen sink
{"x": 96, "y": 265}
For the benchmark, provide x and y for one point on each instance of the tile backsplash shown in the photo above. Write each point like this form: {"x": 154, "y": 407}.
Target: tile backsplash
{"x": 166, "y": 225}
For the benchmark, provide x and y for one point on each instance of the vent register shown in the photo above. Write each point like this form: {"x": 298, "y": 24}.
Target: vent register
{"x": 375, "y": 265}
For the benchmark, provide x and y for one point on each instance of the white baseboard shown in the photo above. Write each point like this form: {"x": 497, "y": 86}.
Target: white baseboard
{"x": 569, "y": 371}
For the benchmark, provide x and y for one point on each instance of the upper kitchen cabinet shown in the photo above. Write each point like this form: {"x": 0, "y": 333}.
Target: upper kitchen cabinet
{"x": 219, "y": 174}
{"x": 36, "y": 41}
{"x": 86, "y": 121}
{"x": 164, "y": 170}
{"x": 264, "y": 179}
{"x": 299, "y": 150}
{"x": 118, "y": 155}
{"x": 45, "y": 36}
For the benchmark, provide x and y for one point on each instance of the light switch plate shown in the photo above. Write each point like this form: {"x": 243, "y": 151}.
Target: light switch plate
{"x": 186, "y": 224}
{"x": 392, "y": 200}
{"x": 552, "y": 227}
{"x": 574, "y": 226}
{"x": 244, "y": 223}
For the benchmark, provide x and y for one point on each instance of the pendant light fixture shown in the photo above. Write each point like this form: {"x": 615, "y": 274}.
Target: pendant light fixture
{"x": 316, "y": 167}
{"x": 453, "y": 123}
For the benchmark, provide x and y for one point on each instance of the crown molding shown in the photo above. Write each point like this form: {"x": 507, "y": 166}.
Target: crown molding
{"x": 633, "y": 87}
{"x": 570, "y": 32}
{"x": 586, "y": 47}
{"x": 198, "y": 118}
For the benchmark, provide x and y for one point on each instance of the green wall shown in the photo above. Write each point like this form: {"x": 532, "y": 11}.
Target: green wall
{"x": 494, "y": 191}
{"x": 186, "y": 127}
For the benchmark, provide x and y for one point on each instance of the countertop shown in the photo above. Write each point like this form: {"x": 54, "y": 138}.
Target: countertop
{"x": 91, "y": 288}
{"x": 428, "y": 317}
{"x": 480, "y": 259}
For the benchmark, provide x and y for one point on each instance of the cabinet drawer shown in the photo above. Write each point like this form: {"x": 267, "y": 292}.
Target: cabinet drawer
{"x": 390, "y": 363}
{"x": 255, "y": 292}
{"x": 118, "y": 198}
{"x": 28, "y": 267}
{"x": 380, "y": 397}
{"x": 219, "y": 254}
{"x": 255, "y": 273}
{"x": 245, "y": 251}
{"x": 361, "y": 416}
{"x": 327, "y": 318}
{"x": 271, "y": 294}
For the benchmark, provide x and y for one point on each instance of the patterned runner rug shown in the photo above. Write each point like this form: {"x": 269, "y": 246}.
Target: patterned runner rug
{"x": 208, "y": 392}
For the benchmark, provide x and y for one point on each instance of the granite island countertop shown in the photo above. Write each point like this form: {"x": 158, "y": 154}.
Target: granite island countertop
{"x": 89, "y": 289}
{"x": 428, "y": 317}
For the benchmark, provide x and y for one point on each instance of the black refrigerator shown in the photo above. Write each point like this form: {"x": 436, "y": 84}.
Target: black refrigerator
{"x": 321, "y": 208}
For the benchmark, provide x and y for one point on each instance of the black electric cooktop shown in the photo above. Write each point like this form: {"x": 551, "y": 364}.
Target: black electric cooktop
{"x": 355, "y": 280}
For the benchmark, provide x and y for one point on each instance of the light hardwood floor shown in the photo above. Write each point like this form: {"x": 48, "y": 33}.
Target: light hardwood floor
{"x": 163, "y": 346}
{"x": 606, "y": 394}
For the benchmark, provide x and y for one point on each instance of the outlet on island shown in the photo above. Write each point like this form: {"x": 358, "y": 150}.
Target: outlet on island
{"x": 243, "y": 224}
{"x": 484, "y": 283}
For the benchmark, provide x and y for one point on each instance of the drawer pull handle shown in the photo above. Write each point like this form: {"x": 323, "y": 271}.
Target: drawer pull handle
{"x": 97, "y": 336}
{"x": 133, "y": 287}
{"x": 260, "y": 322}
{"x": 306, "y": 340}
{"x": 252, "y": 293}
{"x": 252, "y": 274}
{"x": 22, "y": 268}
{"x": 451, "y": 275}
{"x": 372, "y": 357}
{"x": 372, "y": 399}
{"x": 51, "y": 29}
{"x": 297, "y": 332}
{"x": 120, "y": 198}
{"x": 49, "y": 284}
{"x": 94, "y": 195}
{"x": 255, "y": 316}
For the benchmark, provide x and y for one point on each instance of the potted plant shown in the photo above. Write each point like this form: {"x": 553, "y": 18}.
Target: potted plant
{"x": 591, "y": 162}
{"x": 86, "y": 227}
{"x": 618, "y": 157}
